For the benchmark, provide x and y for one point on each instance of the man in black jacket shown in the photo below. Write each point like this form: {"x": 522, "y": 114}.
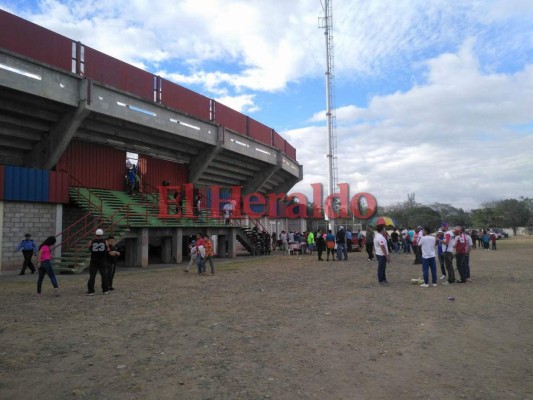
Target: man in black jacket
{"x": 341, "y": 244}
{"x": 99, "y": 250}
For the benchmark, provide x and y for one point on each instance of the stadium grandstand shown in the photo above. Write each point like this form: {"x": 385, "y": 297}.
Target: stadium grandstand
{"x": 88, "y": 141}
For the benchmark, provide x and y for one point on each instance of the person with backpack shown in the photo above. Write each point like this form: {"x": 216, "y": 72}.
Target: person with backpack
{"x": 330, "y": 245}
{"x": 447, "y": 243}
{"x": 461, "y": 250}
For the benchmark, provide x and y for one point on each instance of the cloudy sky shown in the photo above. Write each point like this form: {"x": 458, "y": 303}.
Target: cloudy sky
{"x": 432, "y": 97}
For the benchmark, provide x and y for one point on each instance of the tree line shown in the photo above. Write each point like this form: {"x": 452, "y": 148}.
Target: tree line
{"x": 508, "y": 213}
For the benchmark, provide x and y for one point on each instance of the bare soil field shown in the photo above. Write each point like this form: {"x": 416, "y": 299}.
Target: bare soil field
{"x": 276, "y": 327}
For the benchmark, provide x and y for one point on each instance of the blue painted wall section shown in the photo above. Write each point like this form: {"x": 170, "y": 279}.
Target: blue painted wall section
{"x": 25, "y": 184}
{"x": 29, "y": 184}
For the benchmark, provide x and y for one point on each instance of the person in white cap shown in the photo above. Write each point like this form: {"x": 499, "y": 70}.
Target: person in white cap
{"x": 382, "y": 254}
{"x": 99, "y": 250}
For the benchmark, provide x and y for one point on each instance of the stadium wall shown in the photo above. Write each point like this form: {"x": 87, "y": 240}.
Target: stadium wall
{"x": 19, "y": 218}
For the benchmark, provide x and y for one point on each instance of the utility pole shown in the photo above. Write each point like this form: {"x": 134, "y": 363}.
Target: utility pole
{"x": 326, "y": 23}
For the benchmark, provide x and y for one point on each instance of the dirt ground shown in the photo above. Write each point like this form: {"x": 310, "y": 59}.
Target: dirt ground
{"x": 277, "y": 327}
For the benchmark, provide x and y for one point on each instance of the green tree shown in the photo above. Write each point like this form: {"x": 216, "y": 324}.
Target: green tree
{"x": 423, "y": 216}
{"x": 513, "y": 213}
{"x": 486, "y": 217}
{"x": 529, "y": 204}
{"x": 452, "y": 215}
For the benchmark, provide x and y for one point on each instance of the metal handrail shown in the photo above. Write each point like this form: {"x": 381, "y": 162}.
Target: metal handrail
{"x": 81, "y": 185}
{"x": 101, "y": 223}
{"x": 118, "y": 216}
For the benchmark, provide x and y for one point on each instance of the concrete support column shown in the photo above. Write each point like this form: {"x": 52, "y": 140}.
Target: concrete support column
{"x": 177, "y": 245}
{"x": 137, "y": 249}
{"x": 1, "y": 232}
{"x": 131, "y": 253}
{"x": 222, "y": 243}
{"x": 142, "y": 247}
{"x": 166, "y": 250}
{"x": 232, "y": 243}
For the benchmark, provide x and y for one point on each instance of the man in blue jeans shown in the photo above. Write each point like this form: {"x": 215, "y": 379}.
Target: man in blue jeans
{"x": 341, "y": 244}
{"x": 382, "y": 253}
{"x": 427, "y": 244}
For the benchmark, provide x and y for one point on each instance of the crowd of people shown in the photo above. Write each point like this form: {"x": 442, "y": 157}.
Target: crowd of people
{"x": 444, "y": 245}
{"x": 428, "y": 246}
{"x": 336, "y": 245}
{"x": 104, "y": 255}
{"x": 201, "y": 252}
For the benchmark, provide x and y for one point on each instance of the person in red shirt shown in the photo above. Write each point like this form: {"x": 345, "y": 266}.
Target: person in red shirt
{"x": 493, "y": 239}
{"x": 461, "y": 250}
{"x": 447, "y": 243}
{"x": 416, "y": 248}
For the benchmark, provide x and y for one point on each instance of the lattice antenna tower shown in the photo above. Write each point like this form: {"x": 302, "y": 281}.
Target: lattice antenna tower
{"x": 326, "y": 23}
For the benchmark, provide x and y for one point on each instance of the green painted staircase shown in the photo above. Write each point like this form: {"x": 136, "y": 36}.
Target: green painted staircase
{"x": 116, "y": 212}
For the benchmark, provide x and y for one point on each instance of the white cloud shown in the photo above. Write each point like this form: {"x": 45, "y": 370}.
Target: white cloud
{"x": 268, "y": 44}
{"x": 452, "y": 139}
{"x": 464, "y": 117}
{"x": 244, "y": 103}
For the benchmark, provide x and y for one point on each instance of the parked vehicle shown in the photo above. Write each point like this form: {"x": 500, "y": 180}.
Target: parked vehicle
{"x": 499, "y": 232}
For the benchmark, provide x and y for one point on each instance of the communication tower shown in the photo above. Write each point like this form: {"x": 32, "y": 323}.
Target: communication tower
{"x": 326, "y": 23}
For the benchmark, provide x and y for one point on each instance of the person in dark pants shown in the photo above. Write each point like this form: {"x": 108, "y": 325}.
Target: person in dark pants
{"x": 382, "y": 254}
{"x": 131, "y": 181}
{"x": 330, "y": 244}
{"x": 112, "y": 256}
{"x": 461, "y": 250}
{"x": 341, "y": 244}
{"x": 416, "y": 248}
{"x": 320, "y": 245}
{"x": 447, "y": 243}
{"x": 28, "y": 249}
{"x": 440, "y": 253}
{"x": 349, "y": 237}
{"x": 44, "y": 263}
{"x": 370, "y": 243}
{"x": 179, "y": 196}
{"x": 99, "y": 249}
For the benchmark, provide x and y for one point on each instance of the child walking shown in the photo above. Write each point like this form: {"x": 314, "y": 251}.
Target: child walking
{"x": 44, "y": 264}
{"x": 192, "y": 251}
